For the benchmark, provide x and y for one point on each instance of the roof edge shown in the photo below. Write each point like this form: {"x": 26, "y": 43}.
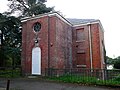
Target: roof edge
{"x": 47, "y": 14}
{"x": 62, "y": 18}
{"x": 93, "y": 22}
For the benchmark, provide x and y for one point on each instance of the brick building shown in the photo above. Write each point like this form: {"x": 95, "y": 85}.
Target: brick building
{"x": 51, "y": 41}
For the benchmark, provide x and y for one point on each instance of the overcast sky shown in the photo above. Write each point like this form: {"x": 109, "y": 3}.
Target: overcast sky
{"x": 107, "y": 11}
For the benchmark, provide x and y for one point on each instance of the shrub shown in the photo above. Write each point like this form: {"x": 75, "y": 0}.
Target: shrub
{"x": 117, "y": 78}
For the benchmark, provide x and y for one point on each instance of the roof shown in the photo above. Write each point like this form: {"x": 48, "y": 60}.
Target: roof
{"x": 71, "y": 21}
{"x": 46, "y": 14}
{"x": 75, "y": 21}
{"x": 79, "y": 22}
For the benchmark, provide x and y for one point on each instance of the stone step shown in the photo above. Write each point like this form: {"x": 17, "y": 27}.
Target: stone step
{"x": 33, "y": 76}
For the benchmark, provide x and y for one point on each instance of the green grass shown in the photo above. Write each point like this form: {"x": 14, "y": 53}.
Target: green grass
{"x": 85, "y": 80}
{"x": 75, "y": 79}
{"x": 10, "y": 73}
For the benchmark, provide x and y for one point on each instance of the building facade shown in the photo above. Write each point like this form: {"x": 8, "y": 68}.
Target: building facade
{"x": 51, "y": 41}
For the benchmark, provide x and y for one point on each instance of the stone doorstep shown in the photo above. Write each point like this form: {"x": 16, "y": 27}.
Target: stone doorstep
{"x": 33, "y": 76}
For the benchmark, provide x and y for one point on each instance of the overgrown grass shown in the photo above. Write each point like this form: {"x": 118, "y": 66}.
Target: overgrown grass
{"x": 85, "y": 80}
{"x": 9, "y": 73}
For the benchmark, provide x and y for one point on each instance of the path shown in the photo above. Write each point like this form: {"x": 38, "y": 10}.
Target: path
{"x": 36, "y": 84}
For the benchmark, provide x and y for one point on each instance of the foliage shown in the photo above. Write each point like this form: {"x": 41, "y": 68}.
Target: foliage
{"x": 85, "y": 80}
{"x": 117, "y": 63}
{"x": 11, "y": 31}
{"x": 75, "y": 79}
{"x": 10, "y": 73}
{"x": 11, "y": 27}
{"x": 109, "y": 60}
{"x": 29, "y": 7}
{"x": 11, "y": 39}
{"x": 117, "y": 78}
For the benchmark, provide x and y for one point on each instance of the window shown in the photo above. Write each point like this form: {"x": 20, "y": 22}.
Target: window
{"x": 37, "y": 27}
{"x": 80, "y": 34}
{"x": 81, "y": 59}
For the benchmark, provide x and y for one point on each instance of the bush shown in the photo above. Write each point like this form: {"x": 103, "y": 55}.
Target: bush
{"x": 117, "y": 64}
{"x": 117, "y": 78}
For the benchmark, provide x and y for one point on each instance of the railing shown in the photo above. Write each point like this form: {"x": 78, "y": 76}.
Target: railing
{"x": 8, "y": 72}
{"x": 85, "y": 75}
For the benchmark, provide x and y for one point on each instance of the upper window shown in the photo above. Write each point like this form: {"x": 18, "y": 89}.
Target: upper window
{"x": 37, "y": 27}
{"x": 80, "y": 35}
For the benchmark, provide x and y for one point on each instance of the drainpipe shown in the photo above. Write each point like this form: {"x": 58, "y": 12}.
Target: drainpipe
{"x": 48, "y": 43}
{"x": 90, "y": 44}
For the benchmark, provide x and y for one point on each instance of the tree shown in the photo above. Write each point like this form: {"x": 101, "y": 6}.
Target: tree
{"x": 117, "y": 63}
{"x": 29, "y": 7}
{"x": 11, "y": 32}
{"x": 11, "y": 27}
{"x": 110, "y": 60}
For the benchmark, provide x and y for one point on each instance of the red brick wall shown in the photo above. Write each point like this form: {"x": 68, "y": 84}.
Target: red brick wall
{"x": 102, "y": 47}
{"x": 59, "y": 35}
{"x": 62, "y": 46}
{"x": 52, "y": 34}
{"x": 23, "y": 53}
{"x": 83, "y": 46}
{"x": 95, "y": 46}
{"x": 28, "y": 36}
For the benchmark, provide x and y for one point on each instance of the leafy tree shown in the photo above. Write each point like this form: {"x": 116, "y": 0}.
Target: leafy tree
{"x": 117, "y": 63}
{"x": 29, "y": 7}
{"x": 11, "y": 39}
{"x": 109, "y": 60}
{"x": 10, "y": 27}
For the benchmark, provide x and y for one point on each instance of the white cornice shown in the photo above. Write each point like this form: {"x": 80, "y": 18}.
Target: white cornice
{"x": 46, "y": 14}
{"x": 62, "y": 18}
{"x": 94, "y": 22}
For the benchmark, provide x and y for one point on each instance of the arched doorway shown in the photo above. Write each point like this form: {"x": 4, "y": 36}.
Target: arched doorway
{"x": 36, "y": 61}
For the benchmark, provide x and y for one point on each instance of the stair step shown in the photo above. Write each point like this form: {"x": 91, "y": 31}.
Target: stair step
{"x": 33, "y": 76}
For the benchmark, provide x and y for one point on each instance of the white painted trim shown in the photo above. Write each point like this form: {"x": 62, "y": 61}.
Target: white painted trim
{"x": 81, "y": 65}
{"x": 82, "y": 24}
{"x": 90, "y": 44}
{"x": 32, "y": 18}
{"x": 62, "y": 18}
{"x": 80, "y": 41}
{"x": 47, "y": 14}
{"x": 101, "y": 26}
{"x": 94, "y": 22}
